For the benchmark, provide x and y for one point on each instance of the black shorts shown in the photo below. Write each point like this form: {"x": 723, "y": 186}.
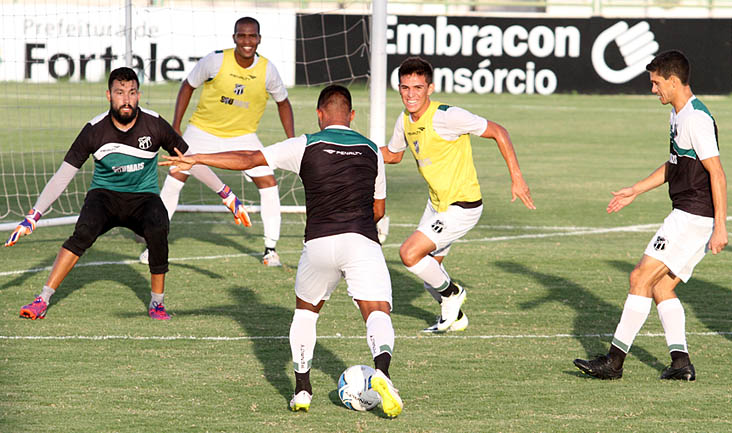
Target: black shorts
{"x": 143, "y": 213}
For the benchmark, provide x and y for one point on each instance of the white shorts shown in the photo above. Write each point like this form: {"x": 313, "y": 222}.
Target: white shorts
{"x": 200, "y": 141}
{"x": 444, "y": 228}
{"x": 357, "y": 259}
{"x": 681, "y": 242}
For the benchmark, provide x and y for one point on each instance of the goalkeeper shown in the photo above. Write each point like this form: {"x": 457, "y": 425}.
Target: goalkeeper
{"x": 124, "y": 189}
{"x": 236, "y": 84}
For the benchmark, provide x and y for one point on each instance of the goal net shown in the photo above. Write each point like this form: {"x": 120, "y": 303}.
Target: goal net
{"x": 55, "y": 57}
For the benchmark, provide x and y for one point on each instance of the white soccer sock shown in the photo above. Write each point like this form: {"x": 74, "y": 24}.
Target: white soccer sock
{"x": 170, "y": 194}
{"x": 271, "y": 217}
{"x": 46, "y": 293}
{"x": 673, "y": 319}
{"x": 302, "y": 339}
{"x": 379, "y": 333}
{"x": 156, "y": 299}
{"x": 432, "y": 291}
{"x": 635, "y": 313}
{"x": 206, "y": 176}
{"x": 429, "y": 270}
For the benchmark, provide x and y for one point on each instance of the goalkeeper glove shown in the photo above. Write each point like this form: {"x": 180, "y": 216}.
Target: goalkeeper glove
{"x": 235, "y": 206}
{"x": 25, "y": 227}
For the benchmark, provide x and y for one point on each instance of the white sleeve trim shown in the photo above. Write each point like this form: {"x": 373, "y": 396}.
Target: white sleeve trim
{"x": 205, "y": 69}
{"x": 55, "y": 186}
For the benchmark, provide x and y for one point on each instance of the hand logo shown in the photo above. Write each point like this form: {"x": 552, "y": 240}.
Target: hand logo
{"x": 636, "y": 44}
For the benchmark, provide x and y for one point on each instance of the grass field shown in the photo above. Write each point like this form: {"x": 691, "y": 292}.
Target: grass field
{"x": 545, "y": 287}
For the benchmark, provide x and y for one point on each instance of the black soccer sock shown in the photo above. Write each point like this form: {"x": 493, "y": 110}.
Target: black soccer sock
{"x": 617, "y": 356}
{"x": 451, "y": 290}
{"x": 302, "y": 382}
{"x": 382, "y": 361}
{"x": 679, "y": 359}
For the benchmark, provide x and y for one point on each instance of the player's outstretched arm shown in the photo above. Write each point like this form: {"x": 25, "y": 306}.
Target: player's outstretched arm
{"x": 625, "y": 196}
{"x": 234, "y": 160}
{"x": 181, "y": 105}
{"x": 519, "y": 187}
{"x": 24, "y": 228}
{"x": 391, "y": 157}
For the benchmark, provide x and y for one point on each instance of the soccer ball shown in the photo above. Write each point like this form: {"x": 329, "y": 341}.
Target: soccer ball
{"x": 353, "y": 388}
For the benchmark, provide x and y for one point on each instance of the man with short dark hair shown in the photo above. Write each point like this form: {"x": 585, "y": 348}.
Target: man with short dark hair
{"x": 437, "y": 135}
{"x": 697, "y": 186}
{"x": 124, "y": 142}
{"x": 345, "y": 190}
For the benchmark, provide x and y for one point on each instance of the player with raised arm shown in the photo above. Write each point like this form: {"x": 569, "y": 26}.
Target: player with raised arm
{"x": 697, "y": 186}
{"x": 124, "y": 142}
{"x": 345, "y": 191}
{"x": 437, "y": 135}
{"x": 236, "y": 85}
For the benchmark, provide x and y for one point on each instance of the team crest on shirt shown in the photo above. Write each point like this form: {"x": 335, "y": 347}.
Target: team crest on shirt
{"x": 144, "y": 143}
{"x": 438, "y": 226}
{"x": 660, "y": 243}
{"x": 238, "y": 89}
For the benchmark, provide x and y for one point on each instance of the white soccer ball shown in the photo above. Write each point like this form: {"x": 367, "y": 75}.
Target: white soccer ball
{"x": 353, "y": 388}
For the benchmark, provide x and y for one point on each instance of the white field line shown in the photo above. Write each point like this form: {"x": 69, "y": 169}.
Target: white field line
{"x": 330, "y": 337}
{"x": 562, "y": 231}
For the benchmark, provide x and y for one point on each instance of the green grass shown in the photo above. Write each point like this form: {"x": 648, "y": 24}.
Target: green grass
{"x": 222, "y": 364}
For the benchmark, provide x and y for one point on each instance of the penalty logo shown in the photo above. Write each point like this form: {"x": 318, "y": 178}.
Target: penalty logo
{"x": 659, "y": 244}
{"x": 144, "y": 143}
{"x": 438, "y": 226}
{"x": 238, "y": 89}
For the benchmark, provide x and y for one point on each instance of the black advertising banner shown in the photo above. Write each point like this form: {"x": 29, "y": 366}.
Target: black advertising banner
{"x": 542, "y": 56}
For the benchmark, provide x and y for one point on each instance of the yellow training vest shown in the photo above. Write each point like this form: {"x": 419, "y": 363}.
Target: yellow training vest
{"x": 447, "y": 166}
{"x": 232, "y": 103}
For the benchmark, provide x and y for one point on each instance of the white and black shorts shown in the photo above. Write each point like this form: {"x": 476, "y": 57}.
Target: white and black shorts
{"x": 444, "y": 228}
{"x": 357, "y": 259}
{"x": 200, "y": 141}
{"x": 681, "y": 242}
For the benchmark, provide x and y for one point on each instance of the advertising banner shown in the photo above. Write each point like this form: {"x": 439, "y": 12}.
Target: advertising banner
{"x": 45, "y": 43}
{"x": 544, "y": 56}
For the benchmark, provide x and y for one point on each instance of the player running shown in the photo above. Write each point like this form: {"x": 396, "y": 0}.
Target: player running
{"x": 697, "y": 186}
{"x": 437, "y": 136}
{"x": 236, "y": 85}
{"x": 345, "y": 191}
{"x": 124, "y": 189}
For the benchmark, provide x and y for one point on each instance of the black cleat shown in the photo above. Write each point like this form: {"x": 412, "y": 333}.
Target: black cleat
{"x": 686, "y": 372}
{"x": 600, "y": 367}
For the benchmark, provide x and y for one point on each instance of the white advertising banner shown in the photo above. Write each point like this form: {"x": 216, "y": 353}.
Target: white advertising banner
{"x": 45, "y": 43}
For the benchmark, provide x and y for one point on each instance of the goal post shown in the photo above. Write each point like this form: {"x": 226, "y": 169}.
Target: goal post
{"x": 55, "y": 56}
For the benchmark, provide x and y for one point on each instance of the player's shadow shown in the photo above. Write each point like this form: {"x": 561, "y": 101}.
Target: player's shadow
{"x": 405, "y": 289}
{"x": 268, "y": 325}
{"x": 594, "y": 317}
{"x": 87, "y": 272}
{"x": 703, "y": 297}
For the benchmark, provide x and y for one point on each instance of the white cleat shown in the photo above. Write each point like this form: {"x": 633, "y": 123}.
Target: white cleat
{"x": 459, "y": 325}
{"x": 271, "y": 258}
{"x": 450, "y": 309}
{"x": 391, "y": 403}
{"x": 144, "y": 257}
{"x": 301, "y": 401}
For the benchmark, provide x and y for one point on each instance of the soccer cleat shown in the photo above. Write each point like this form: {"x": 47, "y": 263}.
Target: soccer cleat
{"x": 144, "y": 257}
{"x": 459, "y": 325}
{"x": 686, "y": 372}
{"x": 391, "y": 403}
{"x": 34, "y": 310}
{"x": 301, "y": 401}
{"x": 450, "y": 309}
{"x": 271, "y": 258}
{"x": 157, "y": 312}
{"x": 600, "y": 367}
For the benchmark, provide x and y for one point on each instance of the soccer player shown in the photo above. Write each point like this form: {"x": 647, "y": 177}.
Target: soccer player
{"x": 437, "y": 134}
{"x": 236, "y": 85}
{"x": 124, "y": 142}
{"x": 698, "y": 189}
{"x": 345, "y": 191}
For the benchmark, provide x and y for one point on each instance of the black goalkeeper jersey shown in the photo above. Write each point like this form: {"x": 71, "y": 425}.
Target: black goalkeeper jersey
{"x": 125, "y": 161}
